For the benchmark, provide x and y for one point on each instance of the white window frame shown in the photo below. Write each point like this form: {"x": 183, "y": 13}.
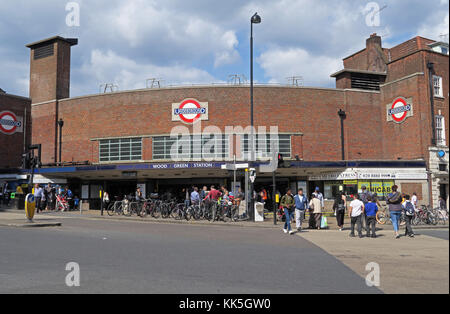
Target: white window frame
{"x": 118, "y": 155}
{"x": 437, "y": 83}
{"x": 440, "y": 130}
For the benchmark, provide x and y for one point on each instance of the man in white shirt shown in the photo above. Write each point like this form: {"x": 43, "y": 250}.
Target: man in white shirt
{"x": 414, "y": 200}
{"x": 355, "y": 214}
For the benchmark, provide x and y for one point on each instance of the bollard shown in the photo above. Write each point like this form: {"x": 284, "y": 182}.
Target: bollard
{"x": 30, "y": 207}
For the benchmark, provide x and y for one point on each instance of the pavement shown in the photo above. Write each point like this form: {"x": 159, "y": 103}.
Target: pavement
{"x": 407, "y": 265}
{"x": 121, "y": 255}
{"x": 18, "y": 219}
{"x": 50, "y": 216}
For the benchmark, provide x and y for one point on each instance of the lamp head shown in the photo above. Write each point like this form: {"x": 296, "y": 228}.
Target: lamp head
{"x": 256, "y": 19}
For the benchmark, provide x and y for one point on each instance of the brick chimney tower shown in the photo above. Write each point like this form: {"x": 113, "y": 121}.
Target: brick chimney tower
{"x": 49, "y": 82}
{"x": 50, "y": 68}
{"x": 376, "y": 60}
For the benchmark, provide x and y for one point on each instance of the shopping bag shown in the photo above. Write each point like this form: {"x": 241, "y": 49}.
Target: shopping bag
{"x": 323, "y": 222}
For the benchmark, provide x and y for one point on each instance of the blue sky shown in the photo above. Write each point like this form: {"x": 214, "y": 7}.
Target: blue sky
{"x": 201, "y": 41}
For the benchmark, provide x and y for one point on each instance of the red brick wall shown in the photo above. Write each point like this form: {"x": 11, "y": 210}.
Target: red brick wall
{"x": 44, "y": 130}
{"x": 11, "y": 146}
{"x": 311, "y": 111}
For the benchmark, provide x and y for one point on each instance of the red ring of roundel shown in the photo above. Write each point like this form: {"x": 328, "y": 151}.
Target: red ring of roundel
{"x": 404, "y": 114}
{"x": 14, "y": 118}
{"x": 184, "y": 103}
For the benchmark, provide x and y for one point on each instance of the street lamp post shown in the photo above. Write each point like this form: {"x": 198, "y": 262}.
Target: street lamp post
{"x": 255, "y": 19}
{"x": 343, "y": 116}
{"x": 60, "y": 124}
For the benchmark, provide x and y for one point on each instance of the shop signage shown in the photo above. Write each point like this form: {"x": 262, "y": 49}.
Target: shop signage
{"x": 349, "y": 176}
{"x": 399, "y": 110}
{"x": 10, "y": 123}
{"x": 190, "y": 111}
{"x": 335, "y": 176}
{"x": 375, "y": 176}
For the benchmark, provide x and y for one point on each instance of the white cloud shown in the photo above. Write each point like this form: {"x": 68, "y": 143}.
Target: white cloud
{"x": 435, "y": 27}
{"x": 108, "y": 67}
{"x": 279, "y": 64}
{"x": 164, "y": 31}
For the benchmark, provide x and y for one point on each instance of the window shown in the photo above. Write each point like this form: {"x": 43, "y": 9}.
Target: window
{"x": 437, "y": 85}
{"x": 264, "y": 143}
{"x": 192, "y": 147}
{"x": 123, "y": 149}
{"x": 442, "y": 167}
{"x": 440, "y": 130}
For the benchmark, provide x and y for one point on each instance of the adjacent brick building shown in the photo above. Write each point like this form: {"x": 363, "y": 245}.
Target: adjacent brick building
{"x": 125, "y": 136}
{"x": 14, "y": 136}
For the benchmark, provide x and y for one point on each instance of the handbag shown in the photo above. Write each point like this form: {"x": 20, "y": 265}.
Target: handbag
{"x": 323, "y": 222}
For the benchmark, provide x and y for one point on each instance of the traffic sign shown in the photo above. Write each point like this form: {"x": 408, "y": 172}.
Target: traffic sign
{"x": 234, "y": 167}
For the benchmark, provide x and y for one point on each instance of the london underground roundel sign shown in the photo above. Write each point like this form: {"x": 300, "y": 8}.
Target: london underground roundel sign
{"x": 399, "y": 110}
{"x": 9, "y": 123}
{"x": 189, "y": 111}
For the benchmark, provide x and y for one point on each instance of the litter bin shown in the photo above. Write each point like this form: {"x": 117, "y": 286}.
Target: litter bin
{"x": 259, "y": 212}
{"x": 19, "y": 201}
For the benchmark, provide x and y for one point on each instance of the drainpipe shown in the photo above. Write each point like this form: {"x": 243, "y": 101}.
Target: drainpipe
{"x": 430, "y": 67}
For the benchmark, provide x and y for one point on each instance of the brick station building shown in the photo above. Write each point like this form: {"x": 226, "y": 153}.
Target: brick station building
{"x": 395, "y": 129}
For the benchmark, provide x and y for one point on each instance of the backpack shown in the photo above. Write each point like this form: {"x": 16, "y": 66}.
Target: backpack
{"x": 409, "y": 209}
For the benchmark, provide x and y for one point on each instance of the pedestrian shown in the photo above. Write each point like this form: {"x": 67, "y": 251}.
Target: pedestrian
{"x": 371, "y": 210}
{"x": 203, "y": 192}
{"x": 301, "y": 204}
{"x": 288, "y": 204}
{"x": 414, "y": 200}
{"x": 319, "y": 196}
{"x": 105, "y": 200}
{"x": 316, "y": 207}
{"x": 48, "y": 195}
{"x": 364, "y": 197}
{"x": 53, "y": 198}
{"x": 442, "y": 203}
{"x": 69, "y": 196}
{"x": 339, "y": 206}
{"x": 394, "y": 200}
{"x": 239, "y": 197}
{"x": 138, "y": 194}
{"x": 355, "y": 214}
{"x": 76, "y": 202}
{"x": 187, "y": 197}
{"x": 38, "y": 194}
{"x": 410, "y": 211}
{"x": 195, "y": 197}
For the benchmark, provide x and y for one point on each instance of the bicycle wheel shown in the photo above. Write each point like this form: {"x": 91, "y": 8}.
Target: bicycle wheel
{"x": 126, "y": 210}
{"x": 156, "y": 211}
{"x": 143, "y": 210}
{"x": 111, "y": 209}
{"x": 381, "y": 217}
